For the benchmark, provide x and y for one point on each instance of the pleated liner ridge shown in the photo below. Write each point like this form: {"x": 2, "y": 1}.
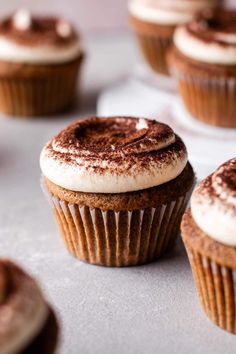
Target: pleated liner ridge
{"x": 154, "y": 50}
{"x": 209, "y": 99}
{"x": 216, "y": 287}
{"x": 118, "y": 239}
{"x": 37, "y": 94}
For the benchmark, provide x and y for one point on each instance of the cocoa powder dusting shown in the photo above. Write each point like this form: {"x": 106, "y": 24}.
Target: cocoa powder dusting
{"x": 117, "y": 142}
{"x": 42, "y": 31}
{"x": 211, "y": 25}
{"x": 220, "y": 185}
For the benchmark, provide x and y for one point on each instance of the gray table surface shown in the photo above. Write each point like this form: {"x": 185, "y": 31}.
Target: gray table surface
{"x": 148, "y": 309}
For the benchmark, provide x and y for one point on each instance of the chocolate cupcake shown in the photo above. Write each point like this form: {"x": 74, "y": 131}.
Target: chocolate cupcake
{"x": 154, "y": 22}
{"x": 204, "y": 62}
{"x": 40, "y": 58}
{"x": 118, "y": 187}
{"x": 27, "y": 323}
{"x": 209, "y": 235}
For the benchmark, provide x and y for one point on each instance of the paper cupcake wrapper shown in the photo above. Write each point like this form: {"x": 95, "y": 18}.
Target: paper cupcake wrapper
{"x": 216, "y": 287}
{"x": 154, "y": 50}
{"x": 121, "y": 238}
{"x": 209, "y": 99}
{"x": 35, "y": 95}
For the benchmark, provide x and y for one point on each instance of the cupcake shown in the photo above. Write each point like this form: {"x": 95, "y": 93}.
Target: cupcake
{"x": 154, "y": 22}
{"x": 119, "y": 187}
{"x": 27, "y": 323}
{"x": 209, "y": 235}
{"x": 40, "y": 58}
{"x": 203, "y": 61}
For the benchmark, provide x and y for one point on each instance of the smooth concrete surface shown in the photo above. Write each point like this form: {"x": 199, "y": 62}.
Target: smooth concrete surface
{"x": 148, "y": 309}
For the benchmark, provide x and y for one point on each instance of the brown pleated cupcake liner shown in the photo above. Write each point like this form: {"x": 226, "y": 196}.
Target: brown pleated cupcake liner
{"x": 38, "y": 96}
{"x": 216, "y": 287}
{"x": 154, "y": 50}
{"x": 118, "y": 239}
{"x": 210, "y": 100}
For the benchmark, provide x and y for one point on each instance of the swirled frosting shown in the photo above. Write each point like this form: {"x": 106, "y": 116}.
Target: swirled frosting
{"x": 210, "y": 38}
{"x": 213, "y": 204}
{"x": 37, "y": 40}
{"x": 169, "y": 12}
{"x": 113, "y": 155}
{"x": 23, "y": 311}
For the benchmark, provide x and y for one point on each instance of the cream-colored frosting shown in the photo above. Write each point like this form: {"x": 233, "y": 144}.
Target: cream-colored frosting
{"x": 208, "y": 52}
{"x": 40, "y": 54}
{"x": 141, "y": 164}
{"x": 64, "y": 29}
{"x": 213, "y": 204}
{"x": 22, "y": 20}
{"x": 41, "y": 51}
{"x": 168, "y": 12}
{"x": 22, "y": 316}
{"x": 81, "y": 180}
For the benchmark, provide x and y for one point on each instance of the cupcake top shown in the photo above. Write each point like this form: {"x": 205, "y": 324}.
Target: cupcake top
{"x": 213, "y": 204}
{"x": 37, "y": 40}
{"x": 23, "y": 311}
{"x": 169, "y": 12}
{"x": 113, "y": 155}
{"x": 210, "y": 38}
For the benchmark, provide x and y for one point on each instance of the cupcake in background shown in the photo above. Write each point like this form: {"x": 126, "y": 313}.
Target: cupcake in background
{"x": 27, "y": 323}
{"x": 118, "y": 187}
{"x": 40, "y": 58}
{"x": 203, "y": 60}
{"x": 154, "y": 22}
{"x": 209, "y": 235}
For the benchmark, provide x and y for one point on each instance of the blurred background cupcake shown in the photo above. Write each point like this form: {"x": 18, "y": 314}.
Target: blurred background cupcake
{"x": 203, "y": 61}
{"x": 154, "y": 22}
{"x": 40, "y": 58}
{"x": 209, "y": 235}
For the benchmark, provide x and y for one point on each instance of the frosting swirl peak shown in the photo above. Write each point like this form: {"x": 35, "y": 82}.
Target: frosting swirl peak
{"x": 113, "y": 155}
{"x": 214, "y": 204}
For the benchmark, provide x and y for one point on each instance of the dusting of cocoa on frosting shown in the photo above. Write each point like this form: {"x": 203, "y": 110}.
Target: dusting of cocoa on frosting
{"x": 119, "y": 153}
{"x": 115, "y": 140}
{"x": 215, "y": 26}
{"x": 210, "y": 38}
{"x": 41, "y": 30}
{"x": 224, "y": 182}
{"x": 221, "y": 185}
{"x": 214, "y": 204}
